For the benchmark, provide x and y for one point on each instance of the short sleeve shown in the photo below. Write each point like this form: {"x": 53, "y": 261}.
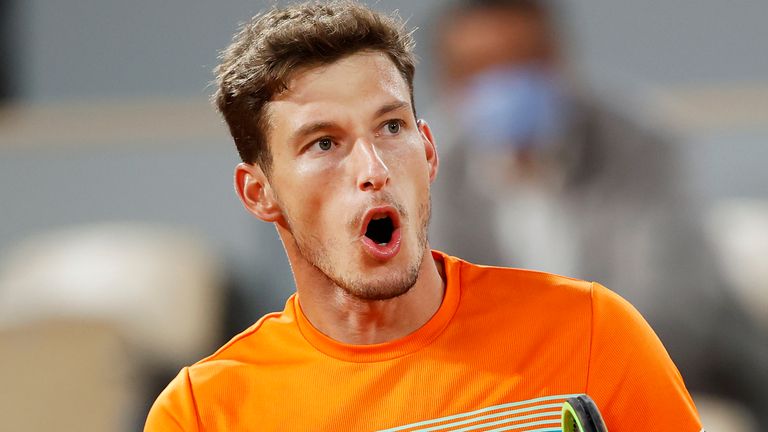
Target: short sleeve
{"x": 631, "y": 377}
{"x": 174, "y": 410}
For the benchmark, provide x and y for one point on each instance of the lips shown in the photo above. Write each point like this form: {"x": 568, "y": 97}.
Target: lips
{"x": 380, "y": 232}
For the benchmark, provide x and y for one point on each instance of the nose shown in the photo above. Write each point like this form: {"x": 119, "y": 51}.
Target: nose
{"x": 372, "y": 172}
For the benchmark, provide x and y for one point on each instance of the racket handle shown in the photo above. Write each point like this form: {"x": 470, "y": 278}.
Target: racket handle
{"x": 580, "y": 414}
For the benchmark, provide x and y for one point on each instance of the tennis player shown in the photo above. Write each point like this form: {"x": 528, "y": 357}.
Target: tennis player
{"x": 384, "y": 333}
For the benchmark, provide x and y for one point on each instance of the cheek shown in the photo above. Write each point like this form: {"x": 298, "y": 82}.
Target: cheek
{"x": 411, "y": 175}
{"x": 310, "y": 189}
{"x": 403, "y": 153}
{"x": 411, "y": 162}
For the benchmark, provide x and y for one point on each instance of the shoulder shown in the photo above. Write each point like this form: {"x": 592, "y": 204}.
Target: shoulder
{"x": 519, "y": 299}
{"x": 630, "y": 368}
{"x": 542, "y": 291}
{"x": 175, "y": 408}
{"x": 246, "y": 359}
{"x": 262, "y": 344}
{"x": 617, "y": 325}
{"x": 504, "y": 281}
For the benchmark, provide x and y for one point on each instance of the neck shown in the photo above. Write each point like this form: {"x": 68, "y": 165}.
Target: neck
{"x": 355, "y": 321}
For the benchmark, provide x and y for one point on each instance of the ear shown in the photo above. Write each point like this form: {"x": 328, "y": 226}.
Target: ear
{"x": 430, "y": 149}
{"x": 256, "y": 193}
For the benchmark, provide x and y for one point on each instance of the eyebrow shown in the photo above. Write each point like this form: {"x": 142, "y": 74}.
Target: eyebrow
{"x": 394, "y": 106}
{"x": 311, "y": 128}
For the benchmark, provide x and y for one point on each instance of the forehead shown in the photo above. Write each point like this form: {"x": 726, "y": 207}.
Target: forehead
{"x": 354, "y": 85}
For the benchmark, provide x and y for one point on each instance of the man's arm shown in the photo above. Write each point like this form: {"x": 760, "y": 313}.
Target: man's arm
{"x": 174, "y": 410}
{"x": 630, "y": 376}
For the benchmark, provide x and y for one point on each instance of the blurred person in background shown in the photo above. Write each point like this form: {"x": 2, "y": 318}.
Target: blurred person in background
{"x": 537, "y": 174}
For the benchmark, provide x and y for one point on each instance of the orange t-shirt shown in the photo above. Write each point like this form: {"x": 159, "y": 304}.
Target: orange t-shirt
{"x": 502, "y": 352}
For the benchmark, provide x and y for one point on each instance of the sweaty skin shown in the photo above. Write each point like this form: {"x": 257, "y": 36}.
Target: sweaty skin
{"x": 344, "y": 140}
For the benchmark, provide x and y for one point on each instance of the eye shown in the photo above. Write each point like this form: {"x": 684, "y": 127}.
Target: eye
{"x": 324, "y": 144}
{"x": 392, "y": 127}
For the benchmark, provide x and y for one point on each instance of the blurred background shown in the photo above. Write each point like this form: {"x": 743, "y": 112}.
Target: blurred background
{"x": 620, "y": 142}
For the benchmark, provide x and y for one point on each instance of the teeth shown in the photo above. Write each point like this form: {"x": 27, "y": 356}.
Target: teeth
{"x": 382, "y": 244}
{"x": 380, "y": 216}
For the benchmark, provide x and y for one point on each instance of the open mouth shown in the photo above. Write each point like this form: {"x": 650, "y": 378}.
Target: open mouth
{"x": 380, "y": 229}
{"x": 381, "y": 232}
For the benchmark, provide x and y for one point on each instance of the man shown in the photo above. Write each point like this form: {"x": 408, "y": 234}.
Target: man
{"x": 384, "y": 334}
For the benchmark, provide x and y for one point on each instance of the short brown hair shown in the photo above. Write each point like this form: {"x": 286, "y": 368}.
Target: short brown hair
{"x": 271, "y": 47}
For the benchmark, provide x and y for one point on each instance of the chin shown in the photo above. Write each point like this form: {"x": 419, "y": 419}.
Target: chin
{"x": 379, "y": 289}
{"x": 383, "y": 280}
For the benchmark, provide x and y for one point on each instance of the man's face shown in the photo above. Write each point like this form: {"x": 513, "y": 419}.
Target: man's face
{"x": 351, "y": 172}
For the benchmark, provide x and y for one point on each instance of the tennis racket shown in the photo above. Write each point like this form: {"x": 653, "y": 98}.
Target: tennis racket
{"x": 580, "y": 414}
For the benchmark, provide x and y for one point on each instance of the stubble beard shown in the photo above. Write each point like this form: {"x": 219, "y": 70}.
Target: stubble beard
{"x": 318, "y": 254}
